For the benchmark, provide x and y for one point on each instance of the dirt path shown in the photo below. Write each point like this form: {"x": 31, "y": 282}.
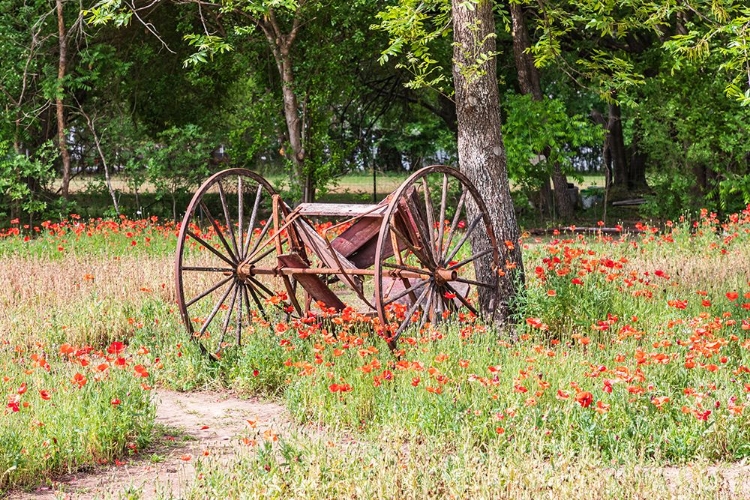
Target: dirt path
{"x": 188, "y": 425}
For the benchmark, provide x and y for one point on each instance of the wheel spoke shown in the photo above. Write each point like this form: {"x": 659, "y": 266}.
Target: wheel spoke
{"x": 251, "y": 225}
{"x": 262, "y": 256}
{"x": 470, "y": 230}
{"x": 291, "y": 290}
{"x": 439, "y": 305}
{"x": 292, "y": 298}
{"x": 212, "y": 315}
{"x": 407, "y": 268}
{"x": 228, "y": 220}
{"x": 441, "y": 228}
{"x": 462, "y": 299}
{"x": 240, "y": 209}
{"x": 397, "y": 253}
{"x": 209, "y": 247}
{"x": 405, "y": 292}
{"x": 238, "y": 336}
{"x": 262, "y": 287}
{"x": 425, "y": 313}
{"x": 228, "y": 318}
{"x": 256, "y": 300}
{"x": 208, "y": 269}
{"x": 473, "y": 282}
{"x": 409, "y": 246}
{"x": 218, "y": 230}
{"x": 390, "y": 288}
{"x": 430, "y": 215}
{"x": 454, "y": 225}
{"x": 410, "y": 313}
{"x": 260, "y": 238}
{"x": 471, "y": 259}
{"x": 205, "y": 293}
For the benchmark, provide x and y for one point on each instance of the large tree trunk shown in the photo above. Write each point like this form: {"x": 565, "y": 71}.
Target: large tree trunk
{"x": 481, "y": 152}
{"x": 281, "y": 46}
{"x": 528, "y": 75}
{"x": 637, "y": 166}
{"x": 293, "y": 123}
{"x": 62, "y": 63}
{"x": 528, "y": 79}
{"x": 617, "y": 148}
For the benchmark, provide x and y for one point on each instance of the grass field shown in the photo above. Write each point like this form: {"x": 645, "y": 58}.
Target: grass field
{"x": 93, "y": 199}
{"x": 625, "y": 376}
{"x": 354, "y": 183}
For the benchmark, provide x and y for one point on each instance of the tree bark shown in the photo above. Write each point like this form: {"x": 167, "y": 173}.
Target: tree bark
{"x": 637, "y": 166}
{"x": 481, "y": 152}
{"x": 617, "y": 148}
{"x": 107, "y": 177}
{"x": 281, "y": 45}
{"x": 528, "y": 75}
{"x": 59, "y": 105}
{"x": 530, "y": 84}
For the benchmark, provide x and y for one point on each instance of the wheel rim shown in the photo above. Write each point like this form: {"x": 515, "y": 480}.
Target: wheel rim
{"x": 229, "y": 222}
{"x": 436, "y": 256}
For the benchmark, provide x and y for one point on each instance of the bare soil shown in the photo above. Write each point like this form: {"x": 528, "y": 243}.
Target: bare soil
{"x": 188, "y": 425}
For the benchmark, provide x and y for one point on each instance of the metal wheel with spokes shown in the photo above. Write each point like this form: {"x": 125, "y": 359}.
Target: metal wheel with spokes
{"x": 235, "y": 222}
{"x": 425, "y": 268}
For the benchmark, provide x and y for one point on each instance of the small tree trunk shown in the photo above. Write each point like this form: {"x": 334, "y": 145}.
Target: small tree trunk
{"x": 528, "y": 80}
{"x": 62, "y": 63}
{"x": 563, "y": 203}
{"x": 637, "y": 166}
{"x": 607, "y": 164}
{"x": 481, "y": 152}
{"x": 107, "y": 177}
{"x": 281, "y": 45}
{"x": 617, "y": 148}
{"x": 528, "y": 75}
{"x": 17, "y": 135}
{"x": 294, "y": 125}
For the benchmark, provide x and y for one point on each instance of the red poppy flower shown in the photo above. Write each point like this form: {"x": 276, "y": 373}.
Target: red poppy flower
{"x": 79, "y": 380}
{"x": 584, "y": 398}
{"x": 702, "y": 415}
{"x": 116, "y": 348}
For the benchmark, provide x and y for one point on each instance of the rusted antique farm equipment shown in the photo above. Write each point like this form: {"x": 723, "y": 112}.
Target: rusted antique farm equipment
{"x": 244, "y": 256}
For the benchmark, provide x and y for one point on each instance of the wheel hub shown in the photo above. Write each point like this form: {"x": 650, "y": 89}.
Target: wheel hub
{"x": 244, "y": 272}
{"x": 442, "y": 276}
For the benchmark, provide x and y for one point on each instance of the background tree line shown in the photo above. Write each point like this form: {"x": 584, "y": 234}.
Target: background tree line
{"x": 159, "y": 94}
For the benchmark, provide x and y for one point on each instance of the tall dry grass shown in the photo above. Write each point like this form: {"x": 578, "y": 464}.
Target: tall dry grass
{"x": 82, "y": 299}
